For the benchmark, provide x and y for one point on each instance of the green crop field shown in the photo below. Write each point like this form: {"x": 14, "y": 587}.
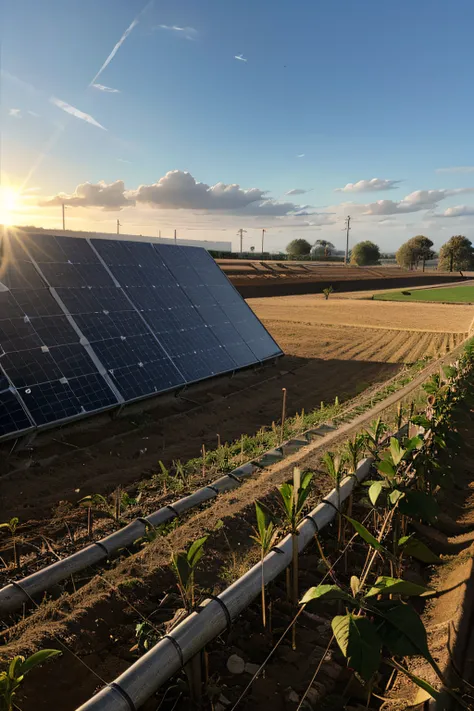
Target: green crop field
{"x": 448, "y": 294}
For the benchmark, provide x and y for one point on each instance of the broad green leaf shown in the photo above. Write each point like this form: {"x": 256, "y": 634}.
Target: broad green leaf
{"x": 395, "y": 586}
{"x": 375, "y": 491}
{"x": 261, "y": 519}
{"x": 182, "y": 568}
{"x": 421, "y": 421}
{"x": 286, "y": 492}
{"x": 449, "y": 371}
{"x": 425, "y": 685}
{"x": 403, "y": 632}
{"x": 396, "y": 451}
{"x": 419, "y": 504}
{"x": 195, "y": 551}
{"x": 359, "y": 642}
{"x": 386, "y": 467}
{"x": 14, "y": 668}
{"x": 38, "y": 658}
{"x": 306, "y": 480}
{"x": 365, "y": 534}
{"x": 329, "y": 592}
{"x": 355, "y": 584}
{"x": 413, "y": 443}
{"x": 395, "y": 495}
{"x": 418, "y": 550}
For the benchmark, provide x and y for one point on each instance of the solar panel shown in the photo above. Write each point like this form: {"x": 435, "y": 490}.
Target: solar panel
{"x": 86, "y": 325}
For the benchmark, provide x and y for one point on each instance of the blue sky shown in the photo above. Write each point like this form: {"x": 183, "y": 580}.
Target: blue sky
{"x": 332, "y": 92}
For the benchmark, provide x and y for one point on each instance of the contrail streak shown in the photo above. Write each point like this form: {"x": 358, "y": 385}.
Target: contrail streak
{"x": 76, "y": 112}
{"x": 115, "y": 50}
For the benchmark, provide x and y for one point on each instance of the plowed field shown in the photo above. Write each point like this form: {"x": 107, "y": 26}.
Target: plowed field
{"x": 358, "y": 330}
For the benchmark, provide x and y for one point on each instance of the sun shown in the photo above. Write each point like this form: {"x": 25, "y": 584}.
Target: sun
{"x": 10, "y": 200}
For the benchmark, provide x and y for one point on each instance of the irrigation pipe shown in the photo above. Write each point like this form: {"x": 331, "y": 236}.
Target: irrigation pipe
{"x": 132, "y": 688}
{"x": 14, "y": 595}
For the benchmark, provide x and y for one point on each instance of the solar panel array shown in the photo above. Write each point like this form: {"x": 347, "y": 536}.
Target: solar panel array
{"x": 86, "y": 325}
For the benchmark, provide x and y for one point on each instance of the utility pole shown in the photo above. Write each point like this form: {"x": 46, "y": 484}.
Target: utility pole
{"x": 241, "y": 233}
{"x": 159, "y": 234}
{"x": 263, "y": 238}
{"x": 348, "y": 228}
{"x": 118, "y": 227}
{"x": 64, "y": 215}
{"x": 175, "y": 236}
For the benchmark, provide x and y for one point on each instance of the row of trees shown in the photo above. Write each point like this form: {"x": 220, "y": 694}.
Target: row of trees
{"x": 362, "y": 254}
{"x": 456, "y": 255}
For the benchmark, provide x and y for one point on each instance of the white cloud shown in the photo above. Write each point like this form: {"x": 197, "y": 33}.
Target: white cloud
{"x": 33, "y": 113}
{"x": 107, "y": 196}
{"x": 365, "y": 186}
{"x": 76, "y": 112}
{"x": 16, "y": 113}
{"x": 297, "y": 191}
{"x": 458, "y": 211}
{"x": 300, "y": 155}
{"x": 189, "y": 33}
{"x": 102, "y": 87}
{"x": 457, "y": 169}
{"x": 179, "y": 190}
{"x": 240, "y": 57}
{"x": 414, "y": 202}
{"x": 123, "y": 160}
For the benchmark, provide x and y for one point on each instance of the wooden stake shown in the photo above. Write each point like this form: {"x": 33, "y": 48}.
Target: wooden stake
{"x": 218, "y": 441}
{"x": 203, "y": 455}
{"x": 241, "y": 449}
{"x": 89, "y": 521}
{"x": 283, "y": 414}
{"x": 294, "y": 538}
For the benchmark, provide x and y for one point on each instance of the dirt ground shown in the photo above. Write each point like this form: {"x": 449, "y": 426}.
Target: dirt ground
{"x": 329, "y": 352}
{"x": 310, "y": 309}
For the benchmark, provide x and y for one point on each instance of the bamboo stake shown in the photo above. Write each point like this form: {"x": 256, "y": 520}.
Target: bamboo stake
{"x": 218, "y": 441}
{"x": 294, "y": 539}
{"x": 203, "y": 454}
{"x": 283, "y": 415}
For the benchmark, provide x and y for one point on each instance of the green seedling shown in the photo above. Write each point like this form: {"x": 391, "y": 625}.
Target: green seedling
{"x": 265, "y": 537}
{"x": 11, "y": 527}
{"x": 335, "y": 466}
{"x": 13, "y": 677}
{"x": 327, "y": 292}
{"x": 184, "y": 566}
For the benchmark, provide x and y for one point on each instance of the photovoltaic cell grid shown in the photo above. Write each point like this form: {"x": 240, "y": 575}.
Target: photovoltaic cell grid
{"x": 84, "y": 328}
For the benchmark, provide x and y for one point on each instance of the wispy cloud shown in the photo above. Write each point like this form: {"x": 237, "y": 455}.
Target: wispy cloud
{"x": 189, "y": 33}
{"x": 297, "y": 191}
{"x": 16, "y": 113}
{"x": 372, "y": 185}
{"x": 122, "y": 160}
{"x": 240, "y": 57}
{"x": 300, "y": 155}
{"x": 33, "y": 113}
{"x": 115, "y": 50}
{"x": 76, "y": 112}
{"x": 108, "y": 89}
{"x": 457, "y": 169}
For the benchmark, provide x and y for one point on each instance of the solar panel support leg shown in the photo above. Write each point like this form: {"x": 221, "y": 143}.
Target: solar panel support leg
{"x": 23, "y": 443}
{"x": 117, "y": 411}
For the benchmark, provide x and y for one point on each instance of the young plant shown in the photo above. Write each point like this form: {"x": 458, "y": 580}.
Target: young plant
{"x": 293, "y": 498}
{"x": 265, "y": 536}
{"x": 13, "y": 677}
{"x": 184, "y": 566}
{"x": 11, "y": 526}
{"x": 375, "y": 435}
{"x": 335, "y": 466}
{"x": 327, "y": 292}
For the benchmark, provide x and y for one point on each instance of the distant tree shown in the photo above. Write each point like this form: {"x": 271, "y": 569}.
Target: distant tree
{"x": 252, "y": 249}
{"x": 365, "y": 253}
{"x": 456, "y": 255}
{"x": 416, "y": 250}
{"x": 298, "y": 248}
{"x": 326, "y": 246}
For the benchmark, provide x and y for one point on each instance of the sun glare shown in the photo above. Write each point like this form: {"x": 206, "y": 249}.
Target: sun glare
{"x": 9, "y": 202}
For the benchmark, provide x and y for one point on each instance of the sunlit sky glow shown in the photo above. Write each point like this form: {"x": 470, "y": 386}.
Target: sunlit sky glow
{"x": 210, "y": 116}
